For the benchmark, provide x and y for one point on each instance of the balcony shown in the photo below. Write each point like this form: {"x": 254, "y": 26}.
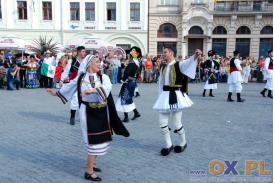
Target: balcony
{"x": 235, "y": 8}
{"x": 198, "y": 4}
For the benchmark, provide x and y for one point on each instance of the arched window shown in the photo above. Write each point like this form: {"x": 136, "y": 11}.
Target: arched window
{"x": 219, "y": 30}
{"x": 195, "y": 30}
{"x": 167, "y": 30}
{"x": 243, "y": 30}
{"x": 267, "y": 30}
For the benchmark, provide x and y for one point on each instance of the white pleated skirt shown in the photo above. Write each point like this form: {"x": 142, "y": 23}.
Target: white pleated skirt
{"x": 92, "y": 149}
{"x": 210, "y": 86}
{"x": 124, "y": 108}
{"x": 162, "y": 103}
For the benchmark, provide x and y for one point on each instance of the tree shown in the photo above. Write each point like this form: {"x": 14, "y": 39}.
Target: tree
{"x": 43, "y": 43}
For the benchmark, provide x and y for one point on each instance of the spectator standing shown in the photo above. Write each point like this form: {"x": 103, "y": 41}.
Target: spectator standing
{"x": 148, "y": 69}
{"x": 110, "y": 66}
{"x": 116, "y": 65}
{"x": 31, "y": 73}
{"x": 246, "y": 69}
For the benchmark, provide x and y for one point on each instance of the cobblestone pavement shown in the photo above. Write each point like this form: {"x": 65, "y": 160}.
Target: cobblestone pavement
{"x": 38, "y": 145}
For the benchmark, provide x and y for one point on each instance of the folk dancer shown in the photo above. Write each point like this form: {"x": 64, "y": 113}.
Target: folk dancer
{"x": 125, "y": 101}
{"x": 171, "y": 100}
{"x": 268, "y": 73}
{"x": 235, "y": 78}
{"x": 70, "y": 73}
{"x": 211, "y": 66}
{"x": 98, "y": 116}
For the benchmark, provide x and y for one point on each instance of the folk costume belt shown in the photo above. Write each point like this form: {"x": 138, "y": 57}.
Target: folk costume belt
{"x": 173, "y": 102}
{"x": 132, "y": 78}
{"x": 95, "y": 105}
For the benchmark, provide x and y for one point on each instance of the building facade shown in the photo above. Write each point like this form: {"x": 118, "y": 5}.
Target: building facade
{"x": 121, "y": 22}
{"x": 222, "y": 25}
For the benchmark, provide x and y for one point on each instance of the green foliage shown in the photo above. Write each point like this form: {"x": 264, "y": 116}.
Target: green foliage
{"x": 43, "y": 43}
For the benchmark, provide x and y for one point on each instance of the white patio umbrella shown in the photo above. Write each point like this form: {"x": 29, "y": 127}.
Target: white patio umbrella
{"x": 89, "y": 43}
{"x": 14, "y": 43}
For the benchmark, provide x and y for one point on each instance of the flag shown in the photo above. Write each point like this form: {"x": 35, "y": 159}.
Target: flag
{"x": 47, "y": 70}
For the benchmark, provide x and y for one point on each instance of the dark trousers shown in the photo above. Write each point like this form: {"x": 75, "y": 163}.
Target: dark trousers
{"x": 119, "y": 75}
{"x": 22, "y": 75}
{"x": 46, "y": 82}
{"x": 13, "y": 84}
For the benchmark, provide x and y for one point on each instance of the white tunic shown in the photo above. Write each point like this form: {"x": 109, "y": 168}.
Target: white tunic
{"x": 187, "y": 67}
{"x": 236, "y": 76}
{"x": 267, "y": 72}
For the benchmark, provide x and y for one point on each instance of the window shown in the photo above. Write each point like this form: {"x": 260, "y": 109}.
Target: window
{"x": 219, "y": 45}
{"x": 167, "y": 30}
{"x": 195, "y": 30}
{"x": 267, "y": 30}
{"x": 111, "y": 11}
{"x": 265, "y": 45}
{"x": 243, "y": 46}
{"x": 47, "y": 10}
{"x": 22, "y": 10}
{"x": 224, "y": 6}
{"x": 243, "y": 30}
{"x": 124, "y": 46}
{"x": 90, "y": 11}
{"x": 162, "y": 45}
{"x": 134, "y": 11}
{"x": 257, "y": 5}
{"x": 0, "y": 10}
{"x": 198, "y": 1}
{"x": 244, "y": 6}
{"x": 219, "y": 30}
{"x": 74, "y": 9}
{"x": 168, "y": 2}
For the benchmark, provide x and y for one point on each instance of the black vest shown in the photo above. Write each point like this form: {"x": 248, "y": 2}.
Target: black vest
{"x": 179, "y": 75}
{"x": 75, "y": 65}
{"x": 232, "y": 63}
{"x": 271, "y": 62}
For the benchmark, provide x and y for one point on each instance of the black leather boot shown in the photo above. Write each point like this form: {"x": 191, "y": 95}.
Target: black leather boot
{"x": 211, "y": 94}
{"x": 269, "y": 94}
{"x": 239, "y": 99}
{"x": 229, "y": 99}
{"x": 126, "y": 119}
{"x": 136, "y": 114}
{"x": 263, "y": 92}
{"x": 203, "y": 94}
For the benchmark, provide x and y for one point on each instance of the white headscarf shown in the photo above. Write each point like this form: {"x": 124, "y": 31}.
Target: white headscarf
{"x": 85, "y": 63}
{"x": 89, "y": 59}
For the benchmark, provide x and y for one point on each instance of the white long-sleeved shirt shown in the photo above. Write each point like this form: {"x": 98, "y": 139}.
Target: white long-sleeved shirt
{"x": 68, "y": 90}
{"x": 187, "y": 67}
{"x": 66, "y": 72}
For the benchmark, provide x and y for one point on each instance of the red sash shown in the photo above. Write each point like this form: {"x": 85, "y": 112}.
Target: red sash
{"x": 73, "y": 75}
{"x": 232, "y": 69}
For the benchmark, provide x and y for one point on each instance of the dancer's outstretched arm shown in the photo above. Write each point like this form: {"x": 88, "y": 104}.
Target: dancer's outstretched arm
{"x": 188, "y": 66}
{"x": 66, "y": 92}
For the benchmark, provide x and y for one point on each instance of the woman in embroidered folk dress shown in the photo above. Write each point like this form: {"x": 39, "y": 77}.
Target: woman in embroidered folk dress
{"x": 211, "y": 66}
{"x": 93, "y": 89}
{"x": 125, "y": 101}
{"x": 31, "y": 74}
